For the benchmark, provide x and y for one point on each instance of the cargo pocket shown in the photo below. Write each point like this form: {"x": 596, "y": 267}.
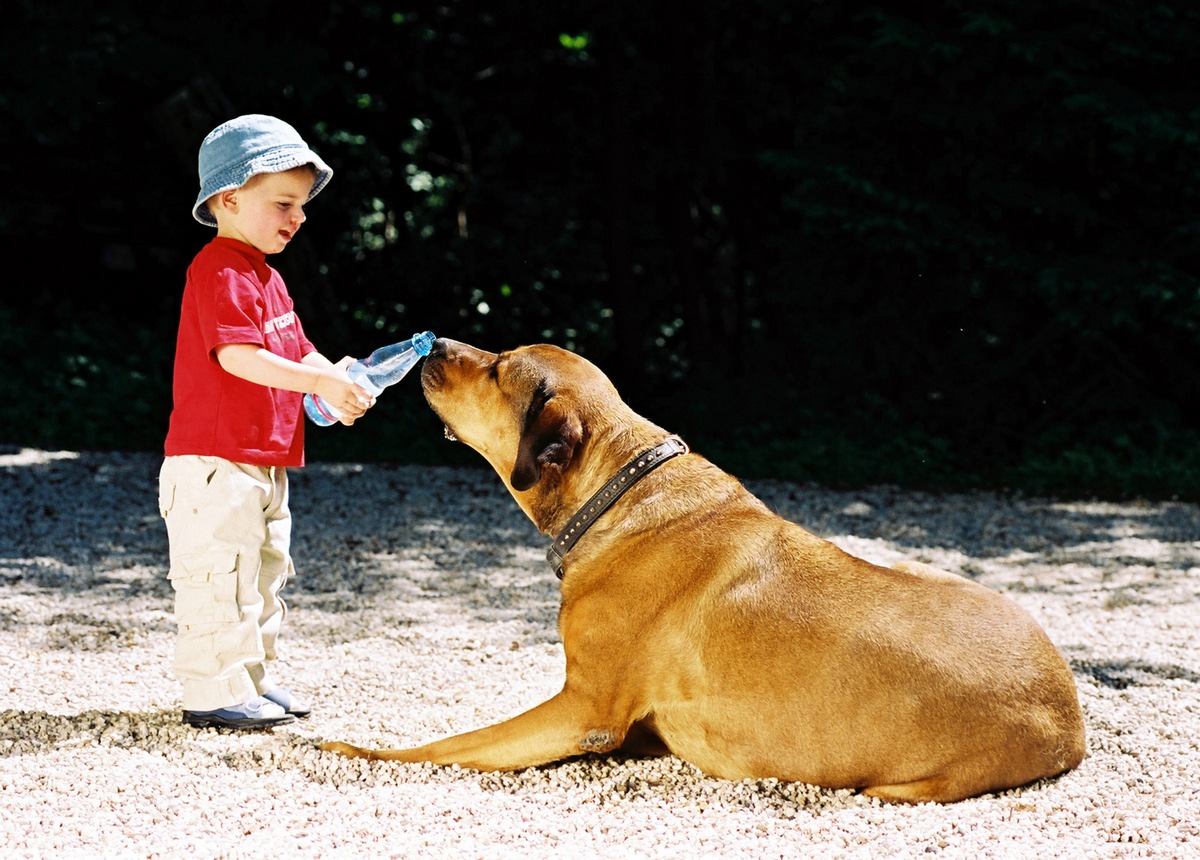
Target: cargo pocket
{"x": 205, "y": 588}
{"x": 166, "y": 497}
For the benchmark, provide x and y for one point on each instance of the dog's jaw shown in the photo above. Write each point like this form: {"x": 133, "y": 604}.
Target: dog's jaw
{"x": 433, "y": 377}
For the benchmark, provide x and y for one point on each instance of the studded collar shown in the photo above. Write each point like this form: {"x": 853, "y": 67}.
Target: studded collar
{"x": 613, "y": 489}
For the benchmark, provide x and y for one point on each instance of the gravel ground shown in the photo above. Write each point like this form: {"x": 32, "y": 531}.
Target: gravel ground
{"x": 424, "y": 607}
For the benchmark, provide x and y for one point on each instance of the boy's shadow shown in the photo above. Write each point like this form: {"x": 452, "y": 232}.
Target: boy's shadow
{"x": 159, "y": 732}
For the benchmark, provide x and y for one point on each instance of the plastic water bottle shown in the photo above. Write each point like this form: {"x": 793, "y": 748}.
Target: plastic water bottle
{"x": 385, "y": 366}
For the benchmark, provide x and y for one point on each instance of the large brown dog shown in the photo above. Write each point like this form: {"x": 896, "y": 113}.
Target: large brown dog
{"x": 696, "y": 620}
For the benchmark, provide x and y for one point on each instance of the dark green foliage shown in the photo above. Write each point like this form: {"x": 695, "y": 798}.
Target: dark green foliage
{"x": 949, "y": 245}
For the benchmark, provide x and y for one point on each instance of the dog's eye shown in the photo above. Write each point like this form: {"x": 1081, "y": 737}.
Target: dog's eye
{"x": 541, "y": 395}
{"x": 494, "y": 371}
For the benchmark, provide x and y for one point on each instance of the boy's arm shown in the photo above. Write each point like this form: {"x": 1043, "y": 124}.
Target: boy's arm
{"x": 315, "y": 374}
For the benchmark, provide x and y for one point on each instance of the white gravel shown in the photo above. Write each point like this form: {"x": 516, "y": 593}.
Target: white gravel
{"x": 423, "y": 607}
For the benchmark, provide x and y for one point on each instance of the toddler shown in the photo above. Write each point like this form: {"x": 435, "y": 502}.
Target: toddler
{"x": 242, "y": 367}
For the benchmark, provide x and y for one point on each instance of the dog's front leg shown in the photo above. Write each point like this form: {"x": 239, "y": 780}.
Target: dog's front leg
{"x": 558, "y": 728}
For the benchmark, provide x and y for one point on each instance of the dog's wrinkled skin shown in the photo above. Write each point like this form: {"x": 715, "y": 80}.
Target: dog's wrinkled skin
{"x": 696, "y": 621}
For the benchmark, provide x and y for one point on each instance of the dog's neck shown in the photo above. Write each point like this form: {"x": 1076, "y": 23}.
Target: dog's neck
{"x": 613, "y": 489}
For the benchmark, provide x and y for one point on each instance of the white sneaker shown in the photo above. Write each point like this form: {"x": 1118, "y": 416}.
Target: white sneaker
{"x": 258, "y": 713}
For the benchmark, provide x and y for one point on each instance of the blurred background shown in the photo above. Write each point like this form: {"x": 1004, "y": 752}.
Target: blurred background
{"x": 941, "y": 245}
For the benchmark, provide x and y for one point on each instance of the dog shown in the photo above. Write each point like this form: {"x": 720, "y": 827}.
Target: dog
{"x": 697, "y": 622}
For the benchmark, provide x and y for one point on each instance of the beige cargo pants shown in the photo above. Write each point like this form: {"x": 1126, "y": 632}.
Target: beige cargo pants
{"x": 229, "y": 531}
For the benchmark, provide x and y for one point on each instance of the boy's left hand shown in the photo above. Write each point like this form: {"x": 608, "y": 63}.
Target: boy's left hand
{"x": 353, "y": 411}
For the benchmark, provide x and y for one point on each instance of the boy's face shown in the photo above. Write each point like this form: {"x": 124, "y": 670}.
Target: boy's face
{"x": 266, "y": 212}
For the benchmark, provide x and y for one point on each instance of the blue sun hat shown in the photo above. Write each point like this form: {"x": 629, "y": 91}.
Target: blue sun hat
{"x": 246, "y": 146}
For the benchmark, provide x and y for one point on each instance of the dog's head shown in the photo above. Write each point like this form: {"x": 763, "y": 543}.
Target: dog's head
{"x": 527, "y": 411}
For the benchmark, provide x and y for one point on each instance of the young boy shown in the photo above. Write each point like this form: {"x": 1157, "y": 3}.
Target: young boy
{"x": 242, "y": 367}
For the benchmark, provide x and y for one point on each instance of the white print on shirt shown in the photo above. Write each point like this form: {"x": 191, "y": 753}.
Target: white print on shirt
{"x": 280, "y": 322}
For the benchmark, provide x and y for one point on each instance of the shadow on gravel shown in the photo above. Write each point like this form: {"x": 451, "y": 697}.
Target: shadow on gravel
{"x": 161, "y": 733}
{"x": 86, "y": 528}
{"x": 381, "y": 539}
{"x": 34, "y": 732}
{"x": 989, "y": 525}
{"x": 1132, "y": 673}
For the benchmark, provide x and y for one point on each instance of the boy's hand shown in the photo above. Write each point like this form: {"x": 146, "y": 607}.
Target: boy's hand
{"x": 336, "y": 389}
{"x": 255, "y": 364}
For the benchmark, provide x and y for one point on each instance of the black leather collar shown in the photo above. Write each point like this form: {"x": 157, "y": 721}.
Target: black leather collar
{"x": 634, "y": 470}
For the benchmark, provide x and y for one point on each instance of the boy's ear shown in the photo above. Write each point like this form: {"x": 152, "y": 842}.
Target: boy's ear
{"x": 225, "y": 199}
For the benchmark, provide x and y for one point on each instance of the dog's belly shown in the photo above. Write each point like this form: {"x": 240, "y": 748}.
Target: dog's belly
{"x": 727, "y": 747}
{"x": 786, "y": 731}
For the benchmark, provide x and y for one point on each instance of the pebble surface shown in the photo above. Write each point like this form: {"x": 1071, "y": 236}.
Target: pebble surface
{"x": 423, "y": 606}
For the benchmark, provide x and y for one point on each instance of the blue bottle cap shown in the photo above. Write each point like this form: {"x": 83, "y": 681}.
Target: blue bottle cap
{"x": 423, "y": 342}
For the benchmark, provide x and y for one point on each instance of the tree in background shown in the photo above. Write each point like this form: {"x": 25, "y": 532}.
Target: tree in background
{"x": 952, "y": 244}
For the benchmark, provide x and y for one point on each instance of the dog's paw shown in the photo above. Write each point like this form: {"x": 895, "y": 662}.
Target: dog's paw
{"x": 345, "y": 749}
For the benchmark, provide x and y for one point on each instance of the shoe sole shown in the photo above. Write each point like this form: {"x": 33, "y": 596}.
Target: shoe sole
{"x": 211, "y": 721}
{"x": 300, "y": 713}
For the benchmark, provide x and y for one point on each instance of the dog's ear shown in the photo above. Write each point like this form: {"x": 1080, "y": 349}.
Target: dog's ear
{"x": 552, "y": 431}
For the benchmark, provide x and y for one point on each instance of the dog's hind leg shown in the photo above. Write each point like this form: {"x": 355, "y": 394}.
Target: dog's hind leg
{"x": 938, "y": 789}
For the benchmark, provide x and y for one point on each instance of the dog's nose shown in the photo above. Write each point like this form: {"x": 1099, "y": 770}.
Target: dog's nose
{"x": 438, "y": 350}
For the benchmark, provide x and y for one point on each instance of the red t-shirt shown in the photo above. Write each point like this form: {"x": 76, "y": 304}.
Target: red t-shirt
{"x": 233, "y": 296}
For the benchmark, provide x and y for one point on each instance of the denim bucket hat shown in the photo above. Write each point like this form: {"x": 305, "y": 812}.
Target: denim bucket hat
{"x": 248, "y": 145}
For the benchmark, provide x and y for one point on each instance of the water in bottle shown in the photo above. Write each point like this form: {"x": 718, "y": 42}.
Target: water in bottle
{"x": 385, "y": 366}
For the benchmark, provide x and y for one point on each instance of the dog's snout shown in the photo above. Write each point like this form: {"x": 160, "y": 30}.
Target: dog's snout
{"x": 438, "y": 350}
{"x": 458, "y": 354}
{"x": 433, "y": 370}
